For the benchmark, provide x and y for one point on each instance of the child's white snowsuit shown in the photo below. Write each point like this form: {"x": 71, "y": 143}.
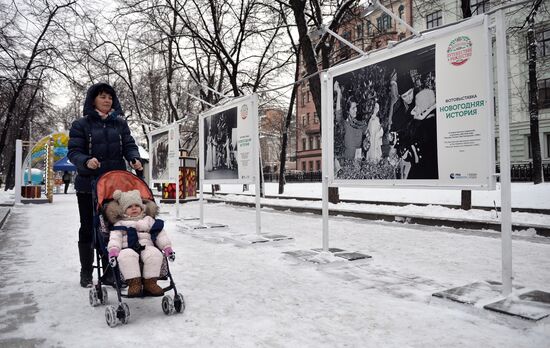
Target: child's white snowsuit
{"x": 151, "y": 257}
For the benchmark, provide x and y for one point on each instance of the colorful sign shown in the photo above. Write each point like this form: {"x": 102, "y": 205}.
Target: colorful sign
{"x": 39, "y": 151}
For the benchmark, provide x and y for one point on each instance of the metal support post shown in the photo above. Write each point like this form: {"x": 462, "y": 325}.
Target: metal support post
{"x": 18, "y": 174}
{"x": 324, "y": 158}
{"x": 504, "y": 132}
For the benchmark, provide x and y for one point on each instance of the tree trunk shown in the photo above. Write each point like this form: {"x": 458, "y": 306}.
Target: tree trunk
{"x": 533, "y": 101}
{"x": 308, "y": 52}
{"x": 333, "y": 195}
{"x": 282, "y": 165}
{"x": 466, "y": 10}
{"x": 466, "y": 199}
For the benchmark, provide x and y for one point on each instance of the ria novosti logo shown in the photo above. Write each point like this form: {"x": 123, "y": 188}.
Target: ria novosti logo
{"x": 459, "y": 50}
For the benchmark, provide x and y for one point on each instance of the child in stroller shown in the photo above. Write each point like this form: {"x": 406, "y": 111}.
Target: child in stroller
{"x": 125, "y": 216}
{"x": 128, "y": 215}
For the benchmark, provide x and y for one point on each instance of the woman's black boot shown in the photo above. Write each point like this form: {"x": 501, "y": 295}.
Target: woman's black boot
{"x": 86, "y": 253}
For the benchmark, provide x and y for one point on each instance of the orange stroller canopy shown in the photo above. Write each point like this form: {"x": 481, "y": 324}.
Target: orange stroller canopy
{"x": 120, "y": 180}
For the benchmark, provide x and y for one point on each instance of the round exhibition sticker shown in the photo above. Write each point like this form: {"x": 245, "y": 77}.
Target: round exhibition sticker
{"x": 244, "y": 111}
{"x": 459, "y": 50}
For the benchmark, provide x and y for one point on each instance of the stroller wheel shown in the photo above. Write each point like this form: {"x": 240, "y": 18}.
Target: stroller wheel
{"x": 167, "y": 305}
{"x": 94, "y": 301}
{"x": 124, "y": 312}
{"x": 179, "y": 303}
{"x": 105, "y": 296}
{"x": 110, "y": 316}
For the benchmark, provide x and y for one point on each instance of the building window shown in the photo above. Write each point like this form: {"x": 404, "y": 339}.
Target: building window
{"x": 315, "y": 119}
{"x": 318, "y": 164}
{"x": 543, "y": 43}
{"x": 304, "y": 144}
{"x": 359, "y": 30}
{"x": 384, "y": 22}
{"x": 304, "y": 166}
{"x": 303, "y": 97}
{"x": 307, "y": 118}
{"x": 311, "y": 143}
{"x": 307, "y": 97}
{"x": 479, "y": 6}
{"x": 434, "y": 20}
{"x": 318, "y": 142}
{"x": 529, "y": 154}
{"x": 346, "y": 35}
{"x": 369, "y": 27}
{"x": 401, "y": 11}
{"x": 310, "y": 166}
{"x": 544, "y": 93}
{"x": 547, "y": 137}
{"x": 304, "y": 120}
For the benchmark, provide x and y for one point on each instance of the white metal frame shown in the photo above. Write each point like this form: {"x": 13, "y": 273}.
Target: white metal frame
{"x": 174, "y": 127}
{"x": 504, "y": 138}
{"x": 18, "y": 169}
{"x": 504, "y": 135}
{"x": 252, "y": 102}
{"x": 165, "y": 129}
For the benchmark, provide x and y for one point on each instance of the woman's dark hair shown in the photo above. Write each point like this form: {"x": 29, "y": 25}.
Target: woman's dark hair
{"x": 104, "y": 88}
{"x": 351, "y": 99}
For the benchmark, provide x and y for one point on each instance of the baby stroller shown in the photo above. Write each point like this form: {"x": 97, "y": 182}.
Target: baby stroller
{"x": 103, "y": 195}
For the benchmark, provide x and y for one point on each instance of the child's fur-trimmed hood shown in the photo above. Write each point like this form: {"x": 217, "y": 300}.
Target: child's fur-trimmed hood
{"x": 114, "y": 212}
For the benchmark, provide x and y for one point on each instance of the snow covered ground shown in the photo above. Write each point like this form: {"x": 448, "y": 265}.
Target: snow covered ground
{"x": 524, "y": 195}
{"x": 256, "y": 296}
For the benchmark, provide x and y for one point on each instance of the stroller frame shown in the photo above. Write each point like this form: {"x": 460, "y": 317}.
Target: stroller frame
{"x": 98, "y": 293}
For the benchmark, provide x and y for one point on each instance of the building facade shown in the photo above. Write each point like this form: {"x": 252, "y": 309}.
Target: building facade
{"x": 272, "y": 122}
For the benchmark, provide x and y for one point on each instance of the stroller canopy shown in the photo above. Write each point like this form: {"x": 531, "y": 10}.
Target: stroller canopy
{"x": 122, "y": 180}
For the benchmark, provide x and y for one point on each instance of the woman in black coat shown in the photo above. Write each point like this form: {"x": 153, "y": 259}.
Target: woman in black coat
{"x": 99, "y": 142}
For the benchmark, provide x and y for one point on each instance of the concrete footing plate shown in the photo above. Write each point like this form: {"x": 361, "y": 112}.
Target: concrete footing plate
{"x": 532, "y": 305}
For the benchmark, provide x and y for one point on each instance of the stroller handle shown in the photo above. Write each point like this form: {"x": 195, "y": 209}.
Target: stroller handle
{"x": 139, "y": 173}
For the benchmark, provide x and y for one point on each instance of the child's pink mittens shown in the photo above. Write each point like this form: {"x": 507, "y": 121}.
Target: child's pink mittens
{"x": 169, "y": 253}
{"x": 113, "y": 254}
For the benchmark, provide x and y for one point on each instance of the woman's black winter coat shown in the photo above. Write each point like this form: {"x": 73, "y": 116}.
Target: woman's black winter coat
{"x": 111, "y": 142}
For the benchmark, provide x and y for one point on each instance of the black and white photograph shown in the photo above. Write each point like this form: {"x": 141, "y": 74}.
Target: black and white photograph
{"x": 159, "y": 162}
{"x": 385, "y": 119}
{"x": 220, "y": 145}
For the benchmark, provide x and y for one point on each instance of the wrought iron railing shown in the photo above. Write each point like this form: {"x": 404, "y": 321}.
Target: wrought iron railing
{"x": 519, "y": 173}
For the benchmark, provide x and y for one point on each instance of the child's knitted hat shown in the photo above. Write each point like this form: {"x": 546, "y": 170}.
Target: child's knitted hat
{"x": 126, "y": 199}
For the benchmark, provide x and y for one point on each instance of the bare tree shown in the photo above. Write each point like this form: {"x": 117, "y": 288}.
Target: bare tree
{"x": 311, "y": 17}
{"x": 28, "y": 48}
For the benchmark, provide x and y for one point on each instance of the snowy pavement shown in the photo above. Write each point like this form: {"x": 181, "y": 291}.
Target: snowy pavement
{"x": 256, "y": 296}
